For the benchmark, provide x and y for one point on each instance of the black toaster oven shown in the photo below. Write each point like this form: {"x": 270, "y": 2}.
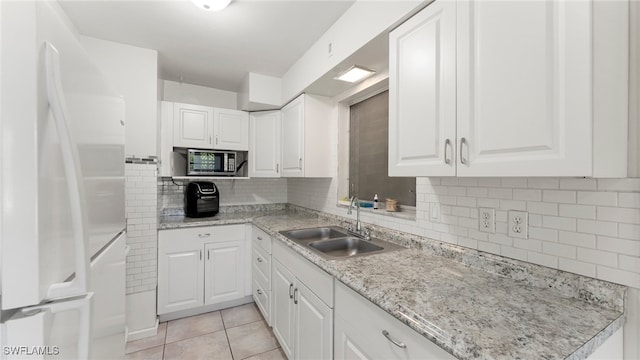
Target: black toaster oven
{"x": 201, "y": 199}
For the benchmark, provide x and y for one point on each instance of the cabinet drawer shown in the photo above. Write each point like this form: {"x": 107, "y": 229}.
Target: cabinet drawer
{"x": 262, "y": 239}
{"x": 204, "y": 234}
{"x": 262, "y": 298}
{"x": 261, "y": 264}
{"x": 360, "y": 325}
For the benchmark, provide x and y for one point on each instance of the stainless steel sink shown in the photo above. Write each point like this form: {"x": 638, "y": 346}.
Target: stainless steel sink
{"x": 321, "y": 233}
{"x": 348, "y": 246}
{"x": 334, "y": 243}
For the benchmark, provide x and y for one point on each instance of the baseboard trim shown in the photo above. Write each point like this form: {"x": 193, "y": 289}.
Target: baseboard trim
{"x": 204, "y": 309}
{"x": 143, "y": 333}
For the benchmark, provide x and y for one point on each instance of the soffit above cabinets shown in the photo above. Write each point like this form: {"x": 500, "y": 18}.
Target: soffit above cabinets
{"x": 214, "y": 49}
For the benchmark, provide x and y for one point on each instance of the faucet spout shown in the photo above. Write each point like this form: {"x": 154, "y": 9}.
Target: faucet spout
{"x": 355, "y": 200}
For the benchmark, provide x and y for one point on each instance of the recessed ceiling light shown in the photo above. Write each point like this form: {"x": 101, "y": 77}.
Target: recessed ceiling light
{"x": 211, "y": 5}
{"x": 355, "y": 73}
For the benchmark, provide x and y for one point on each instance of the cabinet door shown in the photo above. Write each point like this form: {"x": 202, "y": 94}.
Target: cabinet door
{"x": 192, "y": 126}
{"x": 293, "y": 138}
{"x": 524, "y": 88}
{"x": 283, "y": 282}
{"x": 422, "y": 93}
{"x": 348, "y": 348}
{"x": 264, "y": 149}
{"x": 231, "y": 129}
{"x": 180, "y": 279}
{"x": 224, "y": 271}
{"x": 313, "y": 327}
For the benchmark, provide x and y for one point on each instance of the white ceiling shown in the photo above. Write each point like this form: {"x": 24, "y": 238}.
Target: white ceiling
{"x": 214, "y": 49}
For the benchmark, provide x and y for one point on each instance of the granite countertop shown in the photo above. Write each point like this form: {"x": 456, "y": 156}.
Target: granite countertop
{"x": 471, "y": 314}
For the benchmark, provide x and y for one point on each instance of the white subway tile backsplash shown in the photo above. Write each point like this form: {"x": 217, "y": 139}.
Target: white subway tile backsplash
{"x": 561, "y": 250}
{"x": 586, "y": 226}
{"x": 630, "y": 263}
{"x": 560, "y": 223}
{"x": 542, "y": 208}
{"x": 629, "y": 200}
{"x": 620, "y": 246}
{"x": 578, "y": 211}
{"x": 577, "y": 239}
{"x": 598, "y": 257}
{"x": 559, "y": 196}
{"x": 578, "y": 267}
{"x": 542, "y": 259}
{"x": 597, "y": 227}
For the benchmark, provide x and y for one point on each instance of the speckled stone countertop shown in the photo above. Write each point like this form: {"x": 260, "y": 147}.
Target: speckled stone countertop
{"x": 471, "y": 314}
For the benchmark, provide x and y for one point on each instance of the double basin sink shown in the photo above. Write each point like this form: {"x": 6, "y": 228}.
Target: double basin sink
{"x": 332, "y": 242}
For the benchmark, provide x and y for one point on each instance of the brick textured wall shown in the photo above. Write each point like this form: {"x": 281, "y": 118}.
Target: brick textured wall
{"x": 142, "y": 221}
{"x": 585, "y": 226}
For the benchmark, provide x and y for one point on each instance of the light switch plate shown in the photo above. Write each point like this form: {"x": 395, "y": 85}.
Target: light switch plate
{"x": 487, "y": 220}
{"x": 518, "y": 224}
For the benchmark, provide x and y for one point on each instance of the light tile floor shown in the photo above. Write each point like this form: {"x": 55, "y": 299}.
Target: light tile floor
{"x": 236, "y": 333}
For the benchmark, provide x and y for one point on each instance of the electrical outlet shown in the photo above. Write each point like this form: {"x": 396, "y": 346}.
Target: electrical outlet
{"x": 519, "y": 224}
{"x": 487, "y": 220}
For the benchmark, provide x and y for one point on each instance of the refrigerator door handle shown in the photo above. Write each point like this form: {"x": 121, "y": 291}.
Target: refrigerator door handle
{"x": 83, "y": 305}
{"x": 78, "y": 285}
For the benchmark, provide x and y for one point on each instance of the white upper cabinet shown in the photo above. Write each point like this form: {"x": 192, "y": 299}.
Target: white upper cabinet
{"x": 204, "y": 127}
{"x": 230, "y": 129}
{"x": 540, "y": 90}
{"x": 306, "y": 137}
{"x": 422, "y": 93}
{"x": 264, "y": 144}
{"x": 192, "y": 126}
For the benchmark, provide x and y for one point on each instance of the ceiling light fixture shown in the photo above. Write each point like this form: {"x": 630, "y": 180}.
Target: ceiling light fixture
{"x": 211, "y": 5}
{"x": 355, "y": 74}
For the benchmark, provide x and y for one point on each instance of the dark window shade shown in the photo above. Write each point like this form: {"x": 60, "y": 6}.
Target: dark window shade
{"x": 368, "y": 154}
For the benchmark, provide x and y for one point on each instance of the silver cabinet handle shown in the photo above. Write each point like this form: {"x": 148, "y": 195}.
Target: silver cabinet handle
{"x": 397, "y": 343}
{"x": 259, "y": 292}
{"x": 300, "y": 162}
{"x": 447, "y": 144}
{"x": 277, "y": 168}
{"x": 204, "y": 235}
{"x": 121, "y": 122}
{"x": 295, "y": 297}
{"x": 290, "y": 291}
{"x": 208, "y": 254}
{"x": 260, "y": 238}
{"x": 462, "y": 159}
{"x": 217, "y": 140}
{"x": 259, "y": 259}
{"x": 200, "y": 254}
{"x": 209, "y": 139}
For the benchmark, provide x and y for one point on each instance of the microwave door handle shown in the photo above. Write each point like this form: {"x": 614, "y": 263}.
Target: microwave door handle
{"x": 205, "y": 197}
{"x": 75, "y": 185}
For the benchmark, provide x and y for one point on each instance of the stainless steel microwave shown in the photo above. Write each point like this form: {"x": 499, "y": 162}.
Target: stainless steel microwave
{"x": 211, "y": 162}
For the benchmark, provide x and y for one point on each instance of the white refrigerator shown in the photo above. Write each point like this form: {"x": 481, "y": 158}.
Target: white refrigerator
{"x": 62, "y": 225}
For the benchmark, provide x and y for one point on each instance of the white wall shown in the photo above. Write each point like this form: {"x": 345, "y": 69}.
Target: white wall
{"x": 362, "y": 22}
{"x": 199, "y": 95}
{"x": 133, "y": 72}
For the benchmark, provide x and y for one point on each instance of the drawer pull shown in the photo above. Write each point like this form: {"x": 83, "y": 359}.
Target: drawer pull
{"x": 290, "y": 291}
{"x": 397, "y": 343}
{"x": 259, "y": 292}
{"x": 260, "y": 238}
{"x": 259, "y": 259}
{"x": 295, "y": 298}
{"x": 204, "y": 235}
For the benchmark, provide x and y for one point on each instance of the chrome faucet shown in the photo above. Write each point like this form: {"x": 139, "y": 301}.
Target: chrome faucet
{"x": 349, "y": 212}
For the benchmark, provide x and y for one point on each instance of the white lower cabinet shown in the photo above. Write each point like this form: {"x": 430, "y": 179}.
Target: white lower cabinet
{"x": 364, "y": 331}
{"x": 201, "y": 266}
{"x": 302, "y": 316}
